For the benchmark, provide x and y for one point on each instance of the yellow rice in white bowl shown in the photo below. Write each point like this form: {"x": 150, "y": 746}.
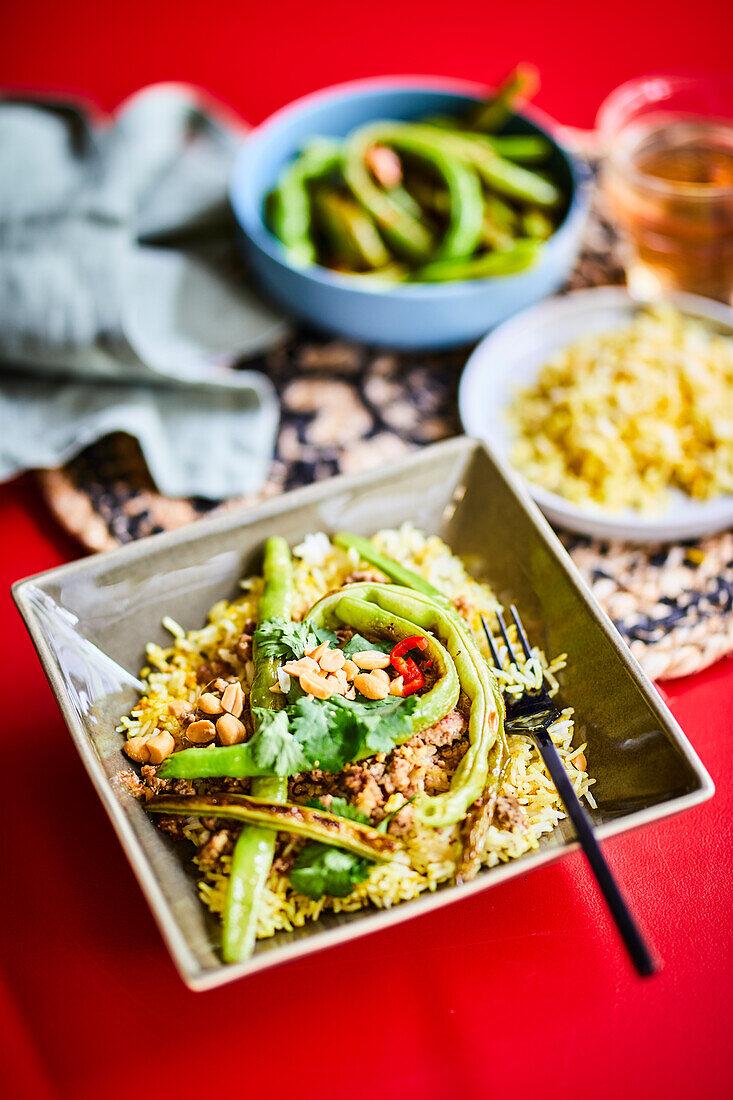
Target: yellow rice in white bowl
{"x": 431, "y": 855}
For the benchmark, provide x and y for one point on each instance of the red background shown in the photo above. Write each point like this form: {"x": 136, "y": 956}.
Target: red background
{"x": 524, "y": 989}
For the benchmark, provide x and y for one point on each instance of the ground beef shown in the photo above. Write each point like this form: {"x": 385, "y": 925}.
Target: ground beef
{"x": 172, "y": 827}
{"x": 243, "y": 645}
{"x": 366, "y": 793}
{"x": 509, "y": 814}
{"x": 219, "y": 843}
{"x": 165, "y": 786}
{"x": 446, "y": 731}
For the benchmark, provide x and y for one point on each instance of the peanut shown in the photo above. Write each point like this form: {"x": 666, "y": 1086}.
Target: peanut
{"x": 331, "y": 660}
{"x": 317, "y": 653}
{"x": 351, "y": 669}
{"x": 336, "y": 685}
{"x": 396, "y": 686}
{"x": 316, "y": 685}
{"x": 230, "y": 730}
{"x": 371, "y": 659}
{"x": 371, "y": 687}
{"x": 232, "y": 699}
{"x": 200, "y": 733}
{"x": 179, "y": 707}
{"x": 380, "y": 675}
{"x": 160, "y": 745}
{"x": 137, "y": 749}
{"x": 297, "y": 668}
{"x": 580, "y": 761}
{"x": 209, "y": 704}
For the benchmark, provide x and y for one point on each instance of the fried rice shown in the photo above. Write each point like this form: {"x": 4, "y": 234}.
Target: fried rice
{"x": 431, "y": 855}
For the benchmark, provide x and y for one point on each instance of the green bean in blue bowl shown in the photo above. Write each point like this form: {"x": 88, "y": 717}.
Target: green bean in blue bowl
{"x": 408, "y": 212}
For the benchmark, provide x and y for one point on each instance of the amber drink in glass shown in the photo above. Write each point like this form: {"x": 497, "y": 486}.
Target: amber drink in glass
{"x": 668, "y": 180}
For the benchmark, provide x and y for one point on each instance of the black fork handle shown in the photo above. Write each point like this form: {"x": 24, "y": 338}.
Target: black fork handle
{"x": 620, "y": 911}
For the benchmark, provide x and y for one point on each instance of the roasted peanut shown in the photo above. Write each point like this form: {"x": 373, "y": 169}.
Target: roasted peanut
{"x": 160, "y": 745}
{"x": 331, "y": 660}
{"x": 351, "y": 669}
{"x": 337, "y": 686}
{"x": 316, "y": 685}
{"x": 396, "y": 686}
{"x": 200, "y": 733}
{"x": 380, "y": 675}
{"x": 297, "y": 668}
{"x": 179, "y": 707}
{"x": 209, "y": 703}
{"x": 579, "y": 761}
{"x": 371, "y": 687}
{"x": 230, "y": 730}
{"x": 232, "y": 699}
{"x": 371, "y": 659}
{"x": 137, "y": 749}
{"x": 317, "y": 653}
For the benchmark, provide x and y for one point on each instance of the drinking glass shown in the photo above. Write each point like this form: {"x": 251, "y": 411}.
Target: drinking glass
{"x": 668, "y": 180}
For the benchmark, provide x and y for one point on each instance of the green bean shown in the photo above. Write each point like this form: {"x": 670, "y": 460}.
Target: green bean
{"x": 501, "y": 213}
{"x": 535, "y": 223}
{"x": 289, "y": 817}
{"x": 464, "y": 225}
{"x": 491, "y": 116}
{"x": 502, "y": 175}
{"x": 482, "y": 764}
{"x": 255, "y": 847}
{"x": 291, "y": 216}
{"x": 350, "y": 231}
{"x": 494, "y": 236}
{"x": 400, "y": 574}
{"x": 520, "y": 256}
{"x": 403, "y": 230}
{"x": 524, "y": 148}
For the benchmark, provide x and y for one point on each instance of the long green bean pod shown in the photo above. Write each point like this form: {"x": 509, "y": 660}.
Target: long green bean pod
{"x": 255, "y": 847}
{"x": 290, "y": 212}
{"x": 492, "y": 115}
{"x": 288, "y": 817}
{"x": 481, "y": 766}
{"x": 466, "y": 209}
{"x": 516, "y": 256}
{"x": 350, "y": 231}
{"x": 502, "y": 175}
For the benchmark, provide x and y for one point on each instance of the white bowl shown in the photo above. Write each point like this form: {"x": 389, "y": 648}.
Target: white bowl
{"x": 512, "y": 356}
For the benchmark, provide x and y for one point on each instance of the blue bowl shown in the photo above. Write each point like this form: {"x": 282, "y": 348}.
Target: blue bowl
{"x": 424, "y": 315}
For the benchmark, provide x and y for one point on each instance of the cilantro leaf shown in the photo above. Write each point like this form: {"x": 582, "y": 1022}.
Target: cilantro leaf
{"x": 381, "y": 723}
{"x": 281, "y": 638}
{"x": 341, "y": 808}
{"x": 357, "y": 644}
{"x": 320, "y": 870}
{"x": 327, "y": 740}
{"x": 273, "y": 746}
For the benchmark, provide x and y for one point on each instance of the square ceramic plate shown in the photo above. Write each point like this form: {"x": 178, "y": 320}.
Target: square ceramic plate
{"x": 90, "y": 621}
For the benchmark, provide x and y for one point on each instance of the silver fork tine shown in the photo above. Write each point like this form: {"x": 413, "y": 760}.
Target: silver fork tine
{"x": 505, "y": 636}
{"x": 492, "y": 643}
{"x": 520, "y": 631}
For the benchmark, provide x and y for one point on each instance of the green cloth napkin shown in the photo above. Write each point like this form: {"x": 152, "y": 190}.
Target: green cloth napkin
{"x": 122, "y": 302}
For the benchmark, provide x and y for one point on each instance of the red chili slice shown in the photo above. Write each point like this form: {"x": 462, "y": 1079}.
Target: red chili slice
{"x": 405, "y": 667}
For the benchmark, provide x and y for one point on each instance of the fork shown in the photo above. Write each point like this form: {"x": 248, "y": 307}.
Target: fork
{"x": 531, "y": 714}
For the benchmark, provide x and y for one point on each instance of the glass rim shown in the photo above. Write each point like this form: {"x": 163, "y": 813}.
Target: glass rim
{"x": 632, "y": 92}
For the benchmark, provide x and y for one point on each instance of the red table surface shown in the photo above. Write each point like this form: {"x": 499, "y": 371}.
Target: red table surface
{"x": 523, "y": 989}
